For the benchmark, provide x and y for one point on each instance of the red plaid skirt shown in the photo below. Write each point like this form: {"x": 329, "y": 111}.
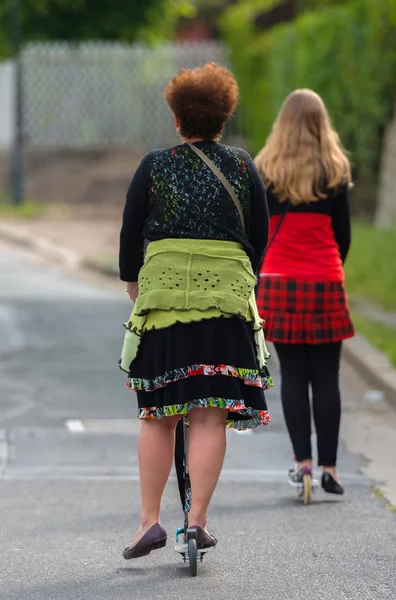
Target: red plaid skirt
{"x": 303, "y": 312}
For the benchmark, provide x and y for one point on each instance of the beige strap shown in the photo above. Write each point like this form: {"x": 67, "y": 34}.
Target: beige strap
{"x": 221, "y": 177}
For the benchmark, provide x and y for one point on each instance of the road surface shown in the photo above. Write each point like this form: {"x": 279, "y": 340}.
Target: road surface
{"x": 69, "y": 496}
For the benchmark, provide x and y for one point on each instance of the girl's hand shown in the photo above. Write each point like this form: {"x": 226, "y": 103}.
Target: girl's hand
{"x": 132, "y": 290}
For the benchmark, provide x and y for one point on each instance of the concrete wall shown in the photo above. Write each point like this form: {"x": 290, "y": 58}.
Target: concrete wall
{"x": 6, "y": 104}
{"x": 386, "y": 208}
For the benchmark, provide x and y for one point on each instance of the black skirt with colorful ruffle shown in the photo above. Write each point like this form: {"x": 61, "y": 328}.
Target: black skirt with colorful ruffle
{"x": 207, "y": 363}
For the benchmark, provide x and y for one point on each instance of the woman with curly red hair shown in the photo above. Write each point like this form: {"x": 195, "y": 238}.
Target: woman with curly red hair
{"x": 301, "y": 294}
{"x": 194, "y": 342}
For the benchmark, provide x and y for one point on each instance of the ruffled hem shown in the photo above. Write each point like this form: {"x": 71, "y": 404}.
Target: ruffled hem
{"x": 261, "y": 379}
{"x": 134, "y": 336}
{"x": 258, "y": 418}
{"x": 212, "y": 312}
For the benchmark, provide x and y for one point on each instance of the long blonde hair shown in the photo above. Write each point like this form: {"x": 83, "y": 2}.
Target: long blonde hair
{"x": 303, "y": 155}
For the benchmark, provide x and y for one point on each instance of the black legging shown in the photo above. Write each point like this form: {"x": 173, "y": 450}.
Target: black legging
{"x": 318, "y": 365}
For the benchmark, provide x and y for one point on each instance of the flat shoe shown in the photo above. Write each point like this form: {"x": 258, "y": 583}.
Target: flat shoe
{"x": 204, "y": 539}
{"x": 330, "y": 485}
{"x": 154, "y": 538}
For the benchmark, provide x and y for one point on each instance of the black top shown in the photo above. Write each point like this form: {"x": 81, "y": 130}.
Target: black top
{"x": 336, "y": 205}
{"x": 174, "y": 194}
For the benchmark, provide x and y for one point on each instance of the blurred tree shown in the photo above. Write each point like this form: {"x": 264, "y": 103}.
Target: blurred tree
{"x": 209, "y": 12}
{"x": 343, "y": 49}
{"x": 77, "y": 20}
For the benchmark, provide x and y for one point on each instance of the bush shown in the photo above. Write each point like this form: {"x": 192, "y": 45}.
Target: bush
{"x": 369, "y": 266}
{"x": 345, "y": 52}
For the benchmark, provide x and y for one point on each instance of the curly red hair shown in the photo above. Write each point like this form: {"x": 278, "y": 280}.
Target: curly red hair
{"x": 202, "y": 99}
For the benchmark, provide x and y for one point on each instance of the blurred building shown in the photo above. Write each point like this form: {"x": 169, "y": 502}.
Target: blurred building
{"x": 90, "y": 110}
{"x": 194, "y": 30}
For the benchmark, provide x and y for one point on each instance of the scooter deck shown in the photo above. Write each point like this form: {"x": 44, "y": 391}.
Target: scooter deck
{"x": 182, "y": 548}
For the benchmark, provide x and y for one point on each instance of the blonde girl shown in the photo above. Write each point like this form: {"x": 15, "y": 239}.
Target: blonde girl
{"x": 301, "y": 291}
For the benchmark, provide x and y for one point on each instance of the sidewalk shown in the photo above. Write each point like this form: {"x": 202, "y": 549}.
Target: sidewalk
{"x": 86, "y": 235}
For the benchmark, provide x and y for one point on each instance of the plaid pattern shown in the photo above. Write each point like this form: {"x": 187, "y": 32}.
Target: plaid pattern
{"x": 303, "y": 312}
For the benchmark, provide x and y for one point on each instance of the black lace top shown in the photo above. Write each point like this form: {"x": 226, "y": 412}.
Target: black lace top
{"x": 173, "y": 194}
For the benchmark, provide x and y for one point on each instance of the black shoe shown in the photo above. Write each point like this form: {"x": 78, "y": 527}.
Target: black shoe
{"x": 154, "y": 538}
{"x": 330, "y": 485}
{"x": 204, "y": 539}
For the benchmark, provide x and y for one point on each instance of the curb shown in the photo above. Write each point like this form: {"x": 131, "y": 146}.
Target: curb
{"x": 41, "y": 246}
{"x": 106, "y": 270}
{"x": 370, "y": 363}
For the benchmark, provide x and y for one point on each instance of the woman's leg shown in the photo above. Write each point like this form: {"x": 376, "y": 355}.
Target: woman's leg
{"x": 293, "y": 360}
{"x": 324, "y": 360}
{"x": 156, "y": 449}
{"x": 207, "y": 446}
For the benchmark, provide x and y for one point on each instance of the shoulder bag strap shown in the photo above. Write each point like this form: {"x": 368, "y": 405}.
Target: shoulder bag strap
{"x": 221, "y": 177}
{"x": 283, "y": 215}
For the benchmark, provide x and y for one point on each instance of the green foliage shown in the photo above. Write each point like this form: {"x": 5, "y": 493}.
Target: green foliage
{"x": 379, "y": 335}
{"x": 250, "y": 66}
{"x": 27, "y": 210}
{"x": 77, "y": 20}
{"x": 369, "y": 267}
{"x": 346, "y": 51}
{"x": 370, "y": 275}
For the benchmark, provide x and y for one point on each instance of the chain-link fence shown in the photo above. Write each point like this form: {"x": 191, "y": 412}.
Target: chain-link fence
{"x": 106, "y": 94}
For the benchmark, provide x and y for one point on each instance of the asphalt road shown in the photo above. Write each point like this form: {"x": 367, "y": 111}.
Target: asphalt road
{"x": 69, "y": 496}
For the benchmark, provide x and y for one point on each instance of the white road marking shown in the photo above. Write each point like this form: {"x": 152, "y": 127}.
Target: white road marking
{"x": 75, "y": 426}
{"x": 113, "y": 473}
{"x": 12, "y": 338}
{"x": 116, "y": 426}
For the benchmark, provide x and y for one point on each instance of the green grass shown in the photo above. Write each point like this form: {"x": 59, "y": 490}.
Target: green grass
{"x": 376, "y": 492}
{"x": 26, "y": 210}
{"x": 379, "y": 335}
{"x": 371, "y": 273}
{"x": 371, "y": 265}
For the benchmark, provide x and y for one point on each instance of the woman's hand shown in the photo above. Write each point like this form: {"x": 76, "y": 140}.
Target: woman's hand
{"x": 132, "y": 290}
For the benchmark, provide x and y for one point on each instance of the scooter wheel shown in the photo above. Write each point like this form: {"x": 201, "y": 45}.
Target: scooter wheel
{"x": 307, "y": 483}
{"x": 193, "y": 556}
